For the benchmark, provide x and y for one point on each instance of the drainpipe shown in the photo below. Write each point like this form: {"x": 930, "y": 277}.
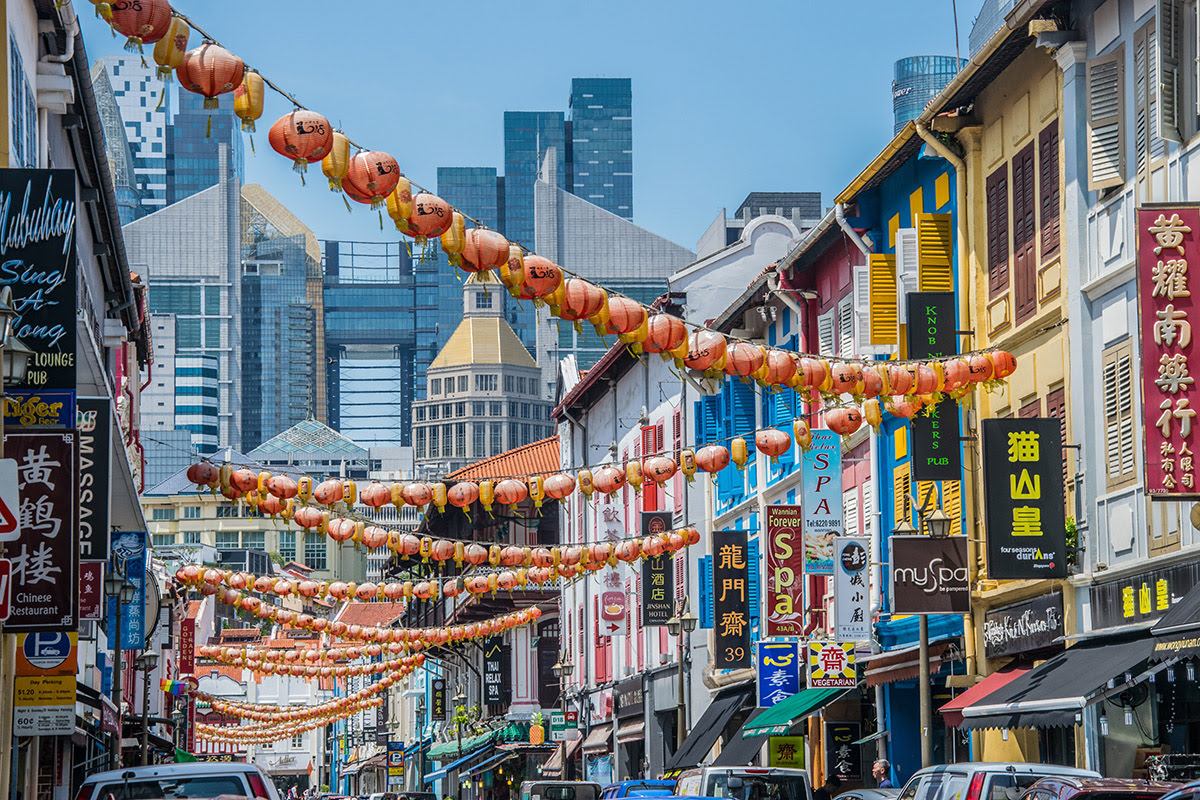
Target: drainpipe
{"x": 839, "y": 213}
{"x": 964, "y": 314}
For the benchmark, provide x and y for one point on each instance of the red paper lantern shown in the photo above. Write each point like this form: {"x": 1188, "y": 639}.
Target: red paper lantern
{"x": 510, "y": 492}
{"x": 210, "y": 70}
{"x": 742, "y": 359}
{"x": 462, "y": 495}
{"x": 375, "y": 495}
{"x": 307, "y": 517}
{"x": 371, "y": 177}
{"x": 660, "y": 469}
{"x": 431, "y": 217}
{"x": 483, "y": 250}
{"x": 329, "y": 492}
{"x": 542, "y": 277}
{"x": 926, "y": 380}
{"x": 628, "y": 551}
{"x": 609, "y": 479}
{"x": 142, "y": 21}
{"x": 625, "y": 316}
{"x": 773, "y": 443}
{"x": 416, "y": 494}
{"x": 580, "y": 300}
{"x": 844, "y": 421}
{"x": 780, "y": 367}
{"x": 1003, "y": 364}
{"x": 900, "y": 379}
{"x": 664, "y": 333}
{"x": 981, "y": 368}
{"x": 304, "y": 136}
{"x": 705, "y": 348}
{"x": 955, "y": 375}
{"x": 283, "y": 487}
{"x": 846, "y": 377}
{"x": 872, "y": 382}
{"x": 205, "y": 474}
{"x": 712, "y": 458}
{"x": 244, "y": 479}
{"x": 559, "y": 486}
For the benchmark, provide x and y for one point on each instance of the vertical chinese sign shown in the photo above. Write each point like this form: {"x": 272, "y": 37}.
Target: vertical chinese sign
{"x": 437, "y": 699}
{"x": 45, "y": 560}
{"x": 731, "y": 600}
{"x": 1165, "y": 240}
{"x": 658, "y": 585}
{"x": 841, "y": 753}
{"x": 778, "y": 671}
{"x": 821, "y": 472}
{"x": 1023, "y": 482}
{"x": 785, "y": 568}
{"x": 850, "y": 591}
{"x": 129, "y": 560}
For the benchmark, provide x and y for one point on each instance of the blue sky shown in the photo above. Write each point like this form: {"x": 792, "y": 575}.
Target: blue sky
{"x": 728, "y": 98}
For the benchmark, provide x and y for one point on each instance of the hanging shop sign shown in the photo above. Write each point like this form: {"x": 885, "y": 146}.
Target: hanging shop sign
{"x": 187, "y": 647}
{"x": 437, "y": 699}
{"x": 382, "y": 729}
{"x": 785, "y": 569}
{"x": 94, "y": 422}
{"x": 497, "y": 684}
{"x": 821, "y": 470}
{"x": 731, "y": 600}
{"x": 1141, "y": 597}
{"x": 937, "y": 431}
{"x": 44, "y": 686}
{"x": 930, "y": 576}
{"x": 129, "y": 559}
{"x": 785, "y": 751}
{"x": 45, "y": 559}
{"x": 1166, "y": 237}
{"x": 631, "y": 698}
{"x": 1023, "y": 481}
{"x": 395, "y": 762}
{"x": 777, "y": 667}
{"x": 37, "y": 259}
{"x": 91, "y": 590}
{"x": 50, "y": 408}
{"x": 614, "y": 612}
{"x": 658, "y": 586}
{"x": 1024, "y": 627}
{"x": 831, "y": 665}
{"x": 841, "y": 752}
{"x": 852, "y": 598}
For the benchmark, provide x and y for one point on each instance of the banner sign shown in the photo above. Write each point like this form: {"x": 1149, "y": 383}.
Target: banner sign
{"x": 929, "y": 576}
{"x": 778, "y": 671}
{"x": 94, "y": 421}
{"x": 437, "y": 699}
{"x": 821, "y": 468}
{"x": 1143, "y": 596}
{"x": 45, "y": 559}
{"x": 382, "y": 718}
{"x": 91, "y": 590}
{"x": 831, "y": 665}
{"x": 785, "y": 568}
{"x": 841, "y": 752}
{"x": 936, "y": 431}
{"x": 852, "y": 598}
{"x": 1165, "y": 238}
{"x": 129, "y": 559}
{"x": 44, "y": 688}
{"x": 785, "y": 751}
{"x": 614, "y": 612}
{"x": 37, "y": 259}
{"x": 497, "y": 686}
{"x": 1024, "y": 627}
{"x": 658, "y": 585}
{"x": 1023, "y": 482}
{"x": 395, "y": 759}
{"x": 187, "y": 647}
{"x": 39, "y": 409}
{"x": 731, "y": 600}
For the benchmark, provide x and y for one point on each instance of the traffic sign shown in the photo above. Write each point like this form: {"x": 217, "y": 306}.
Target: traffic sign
{"x": 5, "y": 588}
{"x": 564, "y": 730}
{"x": 10, "y": 502}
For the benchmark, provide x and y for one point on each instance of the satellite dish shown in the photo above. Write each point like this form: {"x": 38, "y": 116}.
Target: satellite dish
{"x": 153, "y": 605}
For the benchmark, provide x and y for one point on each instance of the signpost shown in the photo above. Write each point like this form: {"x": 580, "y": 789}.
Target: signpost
{"x": 44, "y": 688}
{"x": 564, "y": 729}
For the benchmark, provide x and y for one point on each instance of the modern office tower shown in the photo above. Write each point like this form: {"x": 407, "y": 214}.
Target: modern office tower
{"x": 917, "y": 80}
{"x": 990, "y": 19}
{"x": 190, "y": 255}
{"x": 178, "y": 388}
{"x": 146, "y": 106}
{"x": 802, "y": 209}
{"x": 283, "y": 349}
{"x": 527, "y": 137}
{"x": 611, "y": 250}
{"x": 121, "y": 162}
{"x": 194, "y": 139}
{"x": 602, "y": 143}
{"x": 483, "y": 394}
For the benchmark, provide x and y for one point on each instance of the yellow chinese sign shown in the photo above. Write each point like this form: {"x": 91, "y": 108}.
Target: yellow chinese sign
{"x": 831, "y": 665}
{"x": 785, "y": 751}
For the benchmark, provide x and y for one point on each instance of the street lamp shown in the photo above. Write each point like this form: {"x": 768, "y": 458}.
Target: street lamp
{"x": 938, "y": 524}
{"x": 117, "y": 587}
{"x": 146, "y": 663}
{"x": 178, "y": 720}
{"x": 684, "y": 623}
{"x": 562, "y": 670}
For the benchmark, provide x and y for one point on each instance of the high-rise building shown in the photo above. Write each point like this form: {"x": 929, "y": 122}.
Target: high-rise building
{"x": 527, "y": 137}
{"x": 121, "y": 162}
{"x": 145, "y": 103}
{"x": 602, "y": 143}
{"x": 916, "y": 81}
{"x": 194, "y": 139}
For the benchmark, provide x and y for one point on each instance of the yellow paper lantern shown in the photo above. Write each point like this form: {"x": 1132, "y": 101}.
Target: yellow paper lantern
{"x": 247, "y": 99}
{"x": 454, "y": 239}
{"x": 337, "y": 163}
{"x": 169, "y": 50}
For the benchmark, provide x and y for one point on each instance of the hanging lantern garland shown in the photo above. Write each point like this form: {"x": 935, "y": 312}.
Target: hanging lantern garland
{"x": 267, "y": 663}
{"x": 279, "y": 722}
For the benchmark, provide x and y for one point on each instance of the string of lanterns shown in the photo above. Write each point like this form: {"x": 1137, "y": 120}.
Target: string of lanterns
{"x": 262, "y": 664}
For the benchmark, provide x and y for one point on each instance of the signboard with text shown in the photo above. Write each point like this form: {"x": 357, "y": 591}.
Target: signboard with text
{"x": 731, "y": 600}
{"x": 94, "y": 422}
{"x": 1024, "y": 627}
{"x": 564, "y": 728}
{"x": 785, "y": 751}
{"x": 497, "y": 686}
{"x": 437, "y": 699}
{"x": 50, "y": 408}
{"x": 658, "y": 585}
{"x": 187, "y": 647}
{"x": 44, "y": 687}
{"x": 91, "y": 590}
{"x": 851, "y": 595}
{"x": 821, "y": 468}
{"x": 841, "y": 752}
{"x": 129, "y": 559}
{"x": 395, "y": 763}
{"x": 784, "y": 578}
{"x": 930, "y": 576}
{"x": 831, "y": 665}
{"x": 936, "y": 432}
{"x": 778, "y": 668}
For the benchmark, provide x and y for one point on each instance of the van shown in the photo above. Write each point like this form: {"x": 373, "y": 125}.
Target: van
{"x": 201, "y": 779}
{"x": 560, "y": 790}
{"x": 745, "y": 783}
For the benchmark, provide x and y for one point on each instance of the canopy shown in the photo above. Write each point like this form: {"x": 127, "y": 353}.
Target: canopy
{"x": 491, "y": 763}
{"x": 451, "y": 749}
{"x": 952, "y": 711}
{"x": 1177, "y": 634}
{"x": 742, "y": 750}
{"x": 708, "y": 728}
{"x": 553, "y": 765}
{"x": 779, "y": 718}
{"x": 600, "y": 738}
{"x": 441, "y": 773}
{"x": 1053, "y": 694}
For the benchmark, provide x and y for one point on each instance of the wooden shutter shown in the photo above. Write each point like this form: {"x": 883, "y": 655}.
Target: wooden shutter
{"x": 952, "y": 505}
{"x": 884, "y": 308}
{"x": 1048, "y": 189}
{"x": 1031, "y": 410}
{"x": 826, "y": 343}
{"x": 1024, "y": 228}
{"x": 867, "y": 513}
{"x": 902, "y": 489}
{"x": 1144, "y": 91}
{"x": 1056, "y": 406}
{"x": 846, "y": 327}
{"x": 850, "y": 511}
{"x": 935, "y": 242}
{"x": 1170, "y": 58}
{"x": 997, "y": 230}
{"x": 651, "y": 445}
{"x": 677, "y": 447}
{"x": 1120, "y": 453}
{"x": 705, "y": 574}
{"x": 1105, "y": 111}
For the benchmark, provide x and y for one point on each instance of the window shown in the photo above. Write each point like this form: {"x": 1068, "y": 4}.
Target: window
{"x": 163, "y": 514}
{"x": 298, "y": 740}
{"x": 254, "y": 540}
{"x": 483, "y": 300}
{"x": 846, "y": 326}
{"x": 496, "y": 409}
{"x": 314, "y": 550}
{"x": 478, "y": 409}
{"x": 435, "y": 386}
{"x": 433, "y": 412}
{"x": 1120, "y": 449}
{"x": 163, "y": 539}
{"x": 487, "y": 383}
{"x": 448, "y": 411}
{"x": 460, "y": 409}
{"x": 1048, "y": 189}
{"x": 226, "y": 512}
{"x": 1056, "y": 406}
{"x": 227, "y": 540}
{"x": 191, "y": 512}
{"x": 826, "y": 344}
{"x": 510, "y": 384}
{"x": 420, "y": 413}
{"x": 1024, "y": 235}
{"x": 997, "y": 230}
{"x": 496, "y": 430}
{"x": 1031, "y": 409}
{"x": 287, "y": 545}
{"x": 434, "y": 441}
{"x": 1105, "y": 112}
{"x": 420, "y": 443}
{"x": 1149, "y": 147}
{"x": 191, "y": 537}
{"x": 478, "y": 440}
{"x": 462, "y": 384}
{"x": 460, "y": 440}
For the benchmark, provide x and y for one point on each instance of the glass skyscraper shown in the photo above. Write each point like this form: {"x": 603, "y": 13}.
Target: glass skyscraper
{"x": 527, "y": 137}
{"x": 602, "y": 143}
{"x": 195, "y": 135}
{"x": 145, "y": 103}
{"x": 917, "y": 80}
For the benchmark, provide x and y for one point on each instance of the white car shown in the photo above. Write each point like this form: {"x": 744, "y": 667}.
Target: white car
{"x": 201, "y": 779}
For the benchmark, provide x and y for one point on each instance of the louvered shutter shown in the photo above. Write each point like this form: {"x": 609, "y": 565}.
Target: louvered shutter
{"x": 861, "y": 298}
{"x": 935, "y": 244}
{"x": 754, "y": 570}
{"x": 1106, "y": 131}
{"x": 997, "y": 230}
{"x": 901, "y": 488}
{"x": 908, "y": 266}
{"x": 1119, "y": 445}
{"x": 1024, "y": 235}
{"x": 680, "y": 571}
{"x": 952, "y": 505}
{"x": 1048, "y": 189}
{"x": 706, "y": 591}
{"x": 651, "y": 445}
{"x": 883, "y": 308}
{"x": 676, "y": 449}
{"x": 868, "y": 510}
{"x": 826, "y": 343}
{"x": 1056, "y": 406}
{"x": 846, "y": 327}
{"x": 850, "y": 511}
{"x": 1170, "y": 59}
{"x": 742, "y": 401}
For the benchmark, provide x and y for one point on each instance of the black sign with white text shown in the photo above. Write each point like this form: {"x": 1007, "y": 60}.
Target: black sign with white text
{"x": 937, "y": 430}
{"x": 658, "y": 587}
{"x": 94, "y": 418}
{"x": 496, "y": 683}
{"x": 437, "y": 699}
{"x": 929, "y": 576}
{"x": 1025, "y": 627}
{"x": 731, "y": 600}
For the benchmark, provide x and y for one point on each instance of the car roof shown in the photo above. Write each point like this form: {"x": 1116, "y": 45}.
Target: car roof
{"x": 1131, "y": 785}
{"x": 1008, "y": 766}
{"x": 172, "y": 770}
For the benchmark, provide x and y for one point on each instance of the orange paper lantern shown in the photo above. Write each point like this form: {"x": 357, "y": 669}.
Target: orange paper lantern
{"x": 210, "y": 70}
{"x": 304, "y": 136}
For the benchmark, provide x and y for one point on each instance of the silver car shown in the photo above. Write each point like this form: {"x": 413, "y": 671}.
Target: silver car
{"x": 983, "y": 781}
{"x": 201, "y": 779}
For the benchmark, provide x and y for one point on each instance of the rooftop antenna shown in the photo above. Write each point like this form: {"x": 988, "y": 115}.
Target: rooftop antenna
{"x": 957, "y": 55}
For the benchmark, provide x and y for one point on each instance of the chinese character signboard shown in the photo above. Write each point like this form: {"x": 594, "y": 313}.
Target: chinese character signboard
{"x": 496, "y": 660}
{"x": 437, "y": 699}
{"x": 44, "y": 688}
{"x": 1023, "y": 482}
{"x": 37, "y": 259}
{"x": 731, "y": 600}
{"x": 822, "y": 478}
{"x": 929, "y": 576}
{"x": 1166, "y": 239}
{"x": 187, "y": 647}
{"x": 1143, "y": 596}
{"x": 1023, "y": 628}
{"x": 936, "y": 433}
{"x": 658, "y": 585}
{"x": 94, "y": 421}
{"x": 785, "y": 751}
{"x": 129, "y": 559}
{"x": 841, "y": 752}
{"x": 91, "y": 590}
{"x": 45, "y": 560}
{"x": 851, "y": 595}
{"x": 778, "y": 668}
{"x": 785, "y": 567}
{"x": 831, "y": 665}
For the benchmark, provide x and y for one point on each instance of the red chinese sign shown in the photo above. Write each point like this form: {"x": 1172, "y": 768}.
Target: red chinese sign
{"x": 91, "y": 589}
{"x": 1166, "y": 238}
{"x": 785, "y": 570}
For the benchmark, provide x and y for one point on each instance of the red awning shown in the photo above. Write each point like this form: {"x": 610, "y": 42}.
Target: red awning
{"x": 952, "y": 711}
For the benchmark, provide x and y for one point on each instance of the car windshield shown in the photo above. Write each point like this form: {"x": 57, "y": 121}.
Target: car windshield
{"x": 199, "y": 786}
{"x": 938, "y": 786}
{"x": 758, "y": 787}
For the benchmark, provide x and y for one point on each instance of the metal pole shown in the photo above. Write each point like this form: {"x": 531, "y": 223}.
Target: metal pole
{"x": 680, "y": 710}
{"x": 562, "y": 696}
{"x": 116, "y": 687}
{"x": 146, "y": 717}
{"x": 926, "y": 698}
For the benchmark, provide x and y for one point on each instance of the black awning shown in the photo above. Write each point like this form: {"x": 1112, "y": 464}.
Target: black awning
{"x": 1053, "y": 694}
{"x": 741, "y": 750}
{"x": 1178, "y": 632}
{"x": 708, "y": 728}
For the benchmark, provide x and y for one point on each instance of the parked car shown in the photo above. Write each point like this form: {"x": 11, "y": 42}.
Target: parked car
{"x": 201, "y": 779}
{"x": 744, "y": 783}
{"x": 560, "y": 790}
{"x": 382, "y": 796}
{"x": 868, "y": 794}
{"x": 416, "y": 796}
{"x": 1189, "y": 791}
{"x": 1097, "y": 789}
{"x": 983, "y": 781}
{"x": 638, "y": 788}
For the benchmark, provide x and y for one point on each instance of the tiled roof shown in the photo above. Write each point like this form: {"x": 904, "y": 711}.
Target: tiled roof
{"x": 239, "y": 635}
{"x": 376, "y": 614}
{"x": 193, "y": 609}
{"x": 535, "y": 458}
{"x": 483, "y": 340}
{"x": 307, "y": 439}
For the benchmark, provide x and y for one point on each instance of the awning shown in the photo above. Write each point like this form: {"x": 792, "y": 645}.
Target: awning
{"x": 1177, "y": 634}
{"x": 741, "y": 751}
{"x": 903, "y": 664}
{"x": 779, "y": 719}
{"x": 633, "y": 732}
{"x": 491, "y": 763}
{"x": 600, "y": 738}
{"x": 441, "y": 773}
{"x": 709, "y": 727}
{"x": 952, "y": 711}
{"x": 553, "y": 765}
{"x": 1054, "y": 693}
{"x": 446, "y": 751}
